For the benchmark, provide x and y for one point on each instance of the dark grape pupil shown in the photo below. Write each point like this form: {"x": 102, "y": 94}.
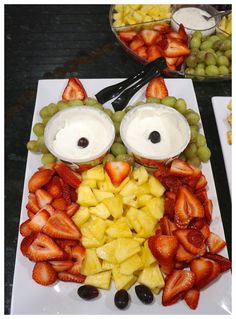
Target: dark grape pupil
{"x": 83, "y": 142}
{"x": 154, "y": 137}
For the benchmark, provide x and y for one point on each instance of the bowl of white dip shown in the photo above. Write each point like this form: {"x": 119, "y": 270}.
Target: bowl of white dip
{"x": 80, "y": 135}
{"x": 154, "y": 133}
{"x": 192, "y": 17}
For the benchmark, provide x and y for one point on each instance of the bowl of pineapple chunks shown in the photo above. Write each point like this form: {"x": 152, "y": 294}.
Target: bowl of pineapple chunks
{"x": 116, "y": 222}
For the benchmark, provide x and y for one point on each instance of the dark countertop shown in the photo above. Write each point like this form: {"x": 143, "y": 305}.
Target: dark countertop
{"x": 58, "y": 41}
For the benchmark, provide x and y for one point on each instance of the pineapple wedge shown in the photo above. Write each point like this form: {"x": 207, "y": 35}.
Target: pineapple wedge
{"x": 155, "y": 208}
{"x": 122, "y": 281}
{"x": 143, "y": 189}
{"x": 107, "y": 252}
{"x": 86, "y": 196}
{"x": 143, "y": 199}
{"x": 101, "y": 195}
{"x": 95, "y": 173}
{"x": 131, "y": 215}
{"x": 125, "y": 248}
{"x": 100, "y": 280}
{"x": 130, "y": 188}
{"x": 81, "y": 216}
{"x": 147, "y": 223}
{"x": 114, "y": 205}
{"x": 156, "y": 188}
{"x": 100, "y": 210}
{"x": 140, "y": 175}
{"x": 151, "y": 277}
{"x": 89, "y": 182}
{"x": 146, "y": 255}
{"x": 130, "y": 200}
{"x": 130, "y": 265}
{"x": 106, "y": 265}
{"x": 97, "y": 228}
{"x": 91, "y": 264}
{"x": 119, "y": 228}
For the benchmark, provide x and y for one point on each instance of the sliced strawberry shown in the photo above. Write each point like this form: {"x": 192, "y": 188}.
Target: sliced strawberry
{"x": 25, "y": 229}
{"x": 72, "y": 209}
{"x": 73, "y": 195}
{"x": 153, "y": 53}
{"x": 175, "y": 35}
{"x": 68, "y": 175}
{"x": 171, "y": 66}
{"x": 205, "y": 230}
{"x": 49, "y": 209}
{"x": 26, "y": 242}
{"x": 225, "y": 263}
{"x": 192, "y": 240}
{"x": 179, "y": 167}
{"x": 43, "y": 248}
{"x": 39, "y": 220}
{"x": 197, "y": 173}
{"x": 161, "y": 170}
{"x": 74, "y": 90}
{"x": 66, "y": 193}
{"x": 127, "y": 36}
{"x": 61, "y": 226}
{"x": 63, "y": 243}
{"x": 169, "y": 206}
{"x": 182, "y": 255}
{"x": 180, "y": 61}
{"x": 44, "y": 274}
{"x": 163, "y": 28}
{"x": 66, "y": 276}
{"x": 181, "y": 265}
{"x": 136, "y": 43}
{"x": 30, "y": 214}
{"x": 167, "y": 227}
{"x": 208, "y": 206}
{"x": 183, "y": 33}
{"x": 172, "y": 183}
{"x": 61, "y": 265}
{"x": 177, "y": 284}
{"x": 192, "y": 297}
{"x": 39, "y": 179}
{"x": 54, "y": 187}
{"x": 171, "y": 61}
{"x": 59, "y": 204}
{"x": 78, "y": 253}
{"x": 164, "y": 249}
{"x": 142, "y": 52}
{"x": 117, "y": 171}
{"x": 176, "y": 48}
{"x": 149, "y": 36}
{"x": 202, "y": 183}
{"x": 197, "y": 223}
{"x": 215, "y": 243}
{"x": 32, "y": 204}
{"x": 157, "y": 88}
{"x": 43, "y": 197}
{"x": 76, "y": 268}
{"x": 201, "y": 195}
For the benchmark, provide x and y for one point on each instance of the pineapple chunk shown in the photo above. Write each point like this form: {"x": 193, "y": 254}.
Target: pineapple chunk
{"x": 100, "y": 280}
{"x": 119, "y": 7}
{"x": 97, "y": 228}
{"x": 130, "y": 188}
{"x": 91, "y": 264}
{"x": 140, "y": 175}
{"x": 125, "y": 248}
{"x": 124, "y": 182}
{"x": 143, "y": 199}
{"x": 107, "y": 252}
{"x": 81, "y": 216}
{"x": 122, "y": 281}
{"x": 155, "y": 208}
{"x": 96, "y": 173}
{"x": 130, "y": 201}
{"x": 130, "y": 265}
{"x": 114, "y": 205}
{"x": 140, "y": 240}
{"x": 101, "y": 195}
{"x": 147, "y": 223}
{"x": 106, "y": 265}
{"x": 156, "y": 188}
{"x": 151, "y": 277}
{"x": 91, "y": 242}
{"x": 100, "y": 211}
{"x": 86, "y": 196}
{"x": 131, "y": 215}
{"x": 89, "y": 182}
{"x": 146, "y": 255}
{"x": 143, "y": 189}
{"x": 119, "y": 228}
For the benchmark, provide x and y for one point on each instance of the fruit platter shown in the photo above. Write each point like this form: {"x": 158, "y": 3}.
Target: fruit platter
{"x": 193, "y": 46}
{"x": 114, "y": 232}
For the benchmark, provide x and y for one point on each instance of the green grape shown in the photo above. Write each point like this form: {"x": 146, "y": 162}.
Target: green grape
{"x": 117, "y": 127}
{"x": 228, "y": 54}
{"x": 216, "y": 45}
{"x": 195, "y": 161}
{"x": 225, "y": 45}
{"x": 190, "y": 151}
{"x": 200, "y": 71}
{"x": 194, "y": 51}
{"x": 41, "y": 145}
{"x": 188, "y": 111}
{"x": 125, "y": 157}
{"x": 221, "y": 36}
{"x": 180, "y": 105}
{"x": 194, "y": 133}
{"x": 189, "y": 71}
{"x": 45, "y": 120}
{"x": 139, "y": 103}
{"x": 48, "y": 158}
{"x": 118, "y": 139}
{"x": 38, "y": 129}
{"x": 118, "y": 148}
{"x": 183, "y": 157}
{"x": 197, "y": 34}
{"x": 206, "y": 45}
{"x": 213, "y": 38}
{"x": 200, "y": 65}
{"x": 108, "y": 112}
{"x": 62, "y": 105}
{"x": 75, "y": 103}
{"x": 32, "y": 146}
{"x": 201, "y": 140}
{"x": 90, "y": 101}
{"x": 129, "y": 107}
{"x": 212, "y": 70}
{"x": 219, "y": 53}
{"x": 223, "y": 60}
{"x": 223, "y": 70}
{"x": 195, "y": 42}
{"x": 210, "y": 59}
{"x": 191, "y": 61}
{"x": 192, "y": 118}
{"x": 98, "y": 106}
{"x": 204, "y": 153}
{"x": 108, "y": 158}
{"x": 169, "y": 101}
{"x": 52, "y": 109}
{"x": 201, "y": 56}
{"x": 153, "y": 100}
{"x": 118, "y": 116}
{"x": 44, "y": 112}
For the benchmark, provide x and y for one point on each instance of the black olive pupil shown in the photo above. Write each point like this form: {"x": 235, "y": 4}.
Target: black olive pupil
{"x": 83, "y": 142}
{"x": 154, "y": 137}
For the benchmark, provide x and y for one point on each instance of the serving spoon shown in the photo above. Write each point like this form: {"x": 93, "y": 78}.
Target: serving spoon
{"x": 219, "y": 14}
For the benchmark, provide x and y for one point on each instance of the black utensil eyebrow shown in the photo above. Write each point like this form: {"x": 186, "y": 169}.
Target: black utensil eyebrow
{"x": 112, "y": 91}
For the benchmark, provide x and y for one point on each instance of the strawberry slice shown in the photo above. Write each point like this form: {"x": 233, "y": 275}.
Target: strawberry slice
{"x": 149, "y": 36}
{"x": 192, "y": 240}
{"x": 161, "y": 170}
{"x": 72, "y": 209}
{"x": 153, "y": 53}
{"x": 32, "y": 204}
{"x": 205, "y": 230}
{"x": 78, "y": 253}
{"x": 49, "y": 209}
{"x": 181, "y": 265}
{"x": 39, "y": 220}
{"x": 66, "y": 193}
{"x": 208, "y": 206}
{"x": 201, "y": 195}
{"x": 163, "y": 28}
{"x": 73, "y": 195}
{"x": 76, "y": 268}
{"x": 176, "y": 286}
{"x": 61, "y": 226}
{"x": 127, "y": 36}
{"x": 44, "y": 274}
{"x": 225, "y": 263}
{"x": 30, "y": 214}
{"x": 117, "y": 171}
{"x": 54, "y": 187}
{"x": 182, "y": 33}
{"x": 164, "y": 248}
{"x": 175, "y": 48}
{"x": 25, "y": 229}
{"x": 171, "y": 61}
{"x": 157, "y": 88}
{"x": 172, "y": 183}
{"x": 215, "y": 243}
{"x": 192, "y": 297}
{"x": 59, "y": 204}
{"x": 197, "y": 223}
{"x": 61, "y": 265}
{"x": 142, "y": 52}
{"x": 39, "y": 179}
{"x": 43, "y": 248}
{"x": 74, "y": 90}
{"x": 68, "y": 175}
{"x": 43, "y": 197}
{"x": 136, "y": 43}
{"x": 180, "y": 61}
{"x": 169, "y": 206}
{"x": 64, "y": 243}
{"x": 182, "y": 255}
{"x": 202, "y": 183}
{"x": 26, "y": 242}
{"x": 66, "y": 276}
{"x": 179, "y": 167}
{"x": 167, "y": 227}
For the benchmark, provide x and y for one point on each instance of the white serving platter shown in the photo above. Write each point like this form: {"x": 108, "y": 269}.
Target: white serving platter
{"x": 61, "y": 298}
{"x": 221, "y": 111}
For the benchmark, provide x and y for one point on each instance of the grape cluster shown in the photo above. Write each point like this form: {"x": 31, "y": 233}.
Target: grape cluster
{"x": 210, "y": 56}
